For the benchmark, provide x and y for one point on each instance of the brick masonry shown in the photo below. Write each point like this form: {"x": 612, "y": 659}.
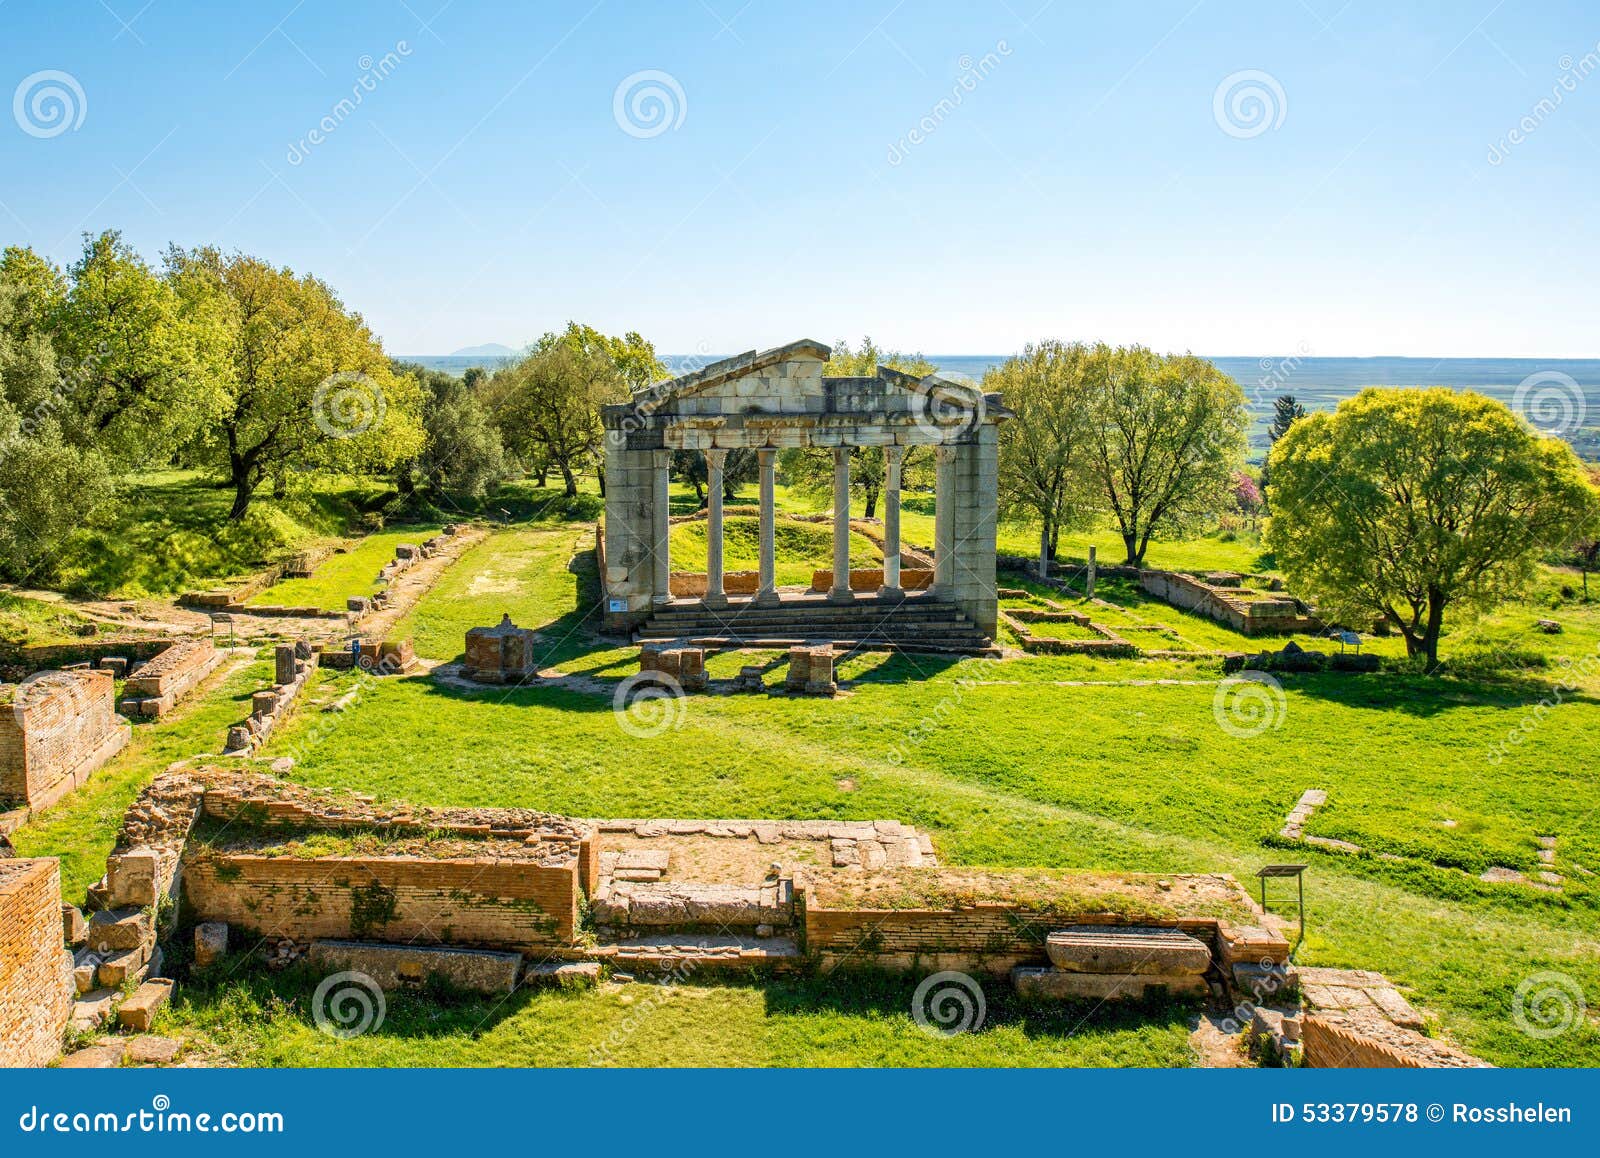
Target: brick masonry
{"x": 56, "y": 730}
{"x": 154, "y": 688}
{"x": 35, "y": 970}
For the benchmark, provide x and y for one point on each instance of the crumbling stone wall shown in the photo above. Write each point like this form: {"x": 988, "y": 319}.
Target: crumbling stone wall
{"x": 56, "y": 730}
{"x": 36, "y": 989}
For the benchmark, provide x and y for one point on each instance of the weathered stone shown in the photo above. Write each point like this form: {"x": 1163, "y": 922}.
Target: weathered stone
{"x": 1063, "y": 985}
{"x": 150, "y": 1050}
{"x": 119, "y": 968}
{"x": 399, "y": 966}
{"x": 113, "y": 930}
{"x": 210, "y": 943}
{"x": 74, "y": 929}
{"x": 132, "y": 877}
{"x": 104, "y": 1056}
{"x": 644, "y": 858}
{"x": 1131, "y": 949}
{"x": 564, "y": 974}
{"x": 139, "y": 1011}
{"x": 92, "y": 1009}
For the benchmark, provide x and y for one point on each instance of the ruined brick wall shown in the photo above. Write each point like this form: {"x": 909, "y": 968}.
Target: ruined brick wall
{"x": 501, "y": 904}
{"x": 36, "y": 989}
{"x": 988, "y": 939}
{"x": 55, "y": 729}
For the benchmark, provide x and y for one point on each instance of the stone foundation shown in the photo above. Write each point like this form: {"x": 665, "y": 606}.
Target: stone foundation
{"x": 156, "y": 687}
{"x": 36, "y": 984}
{"x": 501, "y": 654}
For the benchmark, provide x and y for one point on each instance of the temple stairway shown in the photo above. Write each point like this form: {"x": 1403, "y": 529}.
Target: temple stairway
{"x": 916, "y": 623}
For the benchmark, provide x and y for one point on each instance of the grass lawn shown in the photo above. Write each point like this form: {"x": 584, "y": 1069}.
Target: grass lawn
{"x": 354, "y": 572}
{"x": 168, "y": 531}
{"x": 25, "y": 620}
{"x": 1064, "y": 761}
{"x": 798, "y": 548}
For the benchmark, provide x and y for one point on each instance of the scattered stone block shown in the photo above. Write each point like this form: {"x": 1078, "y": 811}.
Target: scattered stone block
{"x": 811, "y": 671}
{"x": 564, "y": 974}
{"x": 117, "y": 665}
{"x": 112, "y": 930}
{"x": 132, "y": 878}
{"x": 360, "y": 604}
{"x": 84, "y": 971}
{"x": 74, "y": 929}
{"x": 119, "y": 968}
{"x": 1548, "y": 626}
{"x": 91, "y": 1010}
{"x": 1127, "y": 950}
{"x": 148, "y": 1049}
{"x": 105, "y": 1056}
{"x": 645, "y": 858}
{"x": 283, "y": 664}
{"x": 210, "y": 943}
{"x": 139, "y": 1011}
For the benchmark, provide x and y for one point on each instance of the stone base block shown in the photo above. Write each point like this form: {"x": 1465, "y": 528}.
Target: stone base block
{"x": 1043, "y": 984}
{"x": 1133, "y": 949}
{"x": 402, "y": 966}
{"x": 139, "y": 1011}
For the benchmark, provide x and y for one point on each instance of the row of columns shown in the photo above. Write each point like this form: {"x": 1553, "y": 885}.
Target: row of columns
{"x": 767, "y": 592}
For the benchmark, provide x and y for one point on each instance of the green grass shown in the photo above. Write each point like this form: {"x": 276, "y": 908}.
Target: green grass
{"x": 26, "y": 621}
{"x": 339, "y": 576}
{"x": 798, "y": 548}
{"x": 168, "y": 531}
{"x": 1018, "y": 763}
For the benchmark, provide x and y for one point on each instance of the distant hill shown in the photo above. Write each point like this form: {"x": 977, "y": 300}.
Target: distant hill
{"x": 488, "y": 350}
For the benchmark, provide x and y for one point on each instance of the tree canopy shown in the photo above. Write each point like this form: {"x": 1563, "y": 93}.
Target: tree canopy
{"x": 1404, "y": 503}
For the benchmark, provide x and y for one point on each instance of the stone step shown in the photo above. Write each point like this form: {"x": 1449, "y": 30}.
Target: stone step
{"x": 1127, "y": 951}
{"x": 685, "y": 954}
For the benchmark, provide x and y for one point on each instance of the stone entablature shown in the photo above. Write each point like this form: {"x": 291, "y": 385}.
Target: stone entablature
{"x": 780, "y": 398}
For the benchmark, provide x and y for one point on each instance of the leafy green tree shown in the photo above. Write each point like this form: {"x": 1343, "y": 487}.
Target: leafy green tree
{"x": 1044, "y": 451}
{"x": 547, "y": 406}
{"x": 147, "y": 364}
{"x": 810, "y": 469}
{"x": 1406, "y": 503}
{"x": 462, "y": 454}
{"x": 308, "y": 386}
{"x": 1167, "y": 435}
{"x": 48, "y": 486}
{"x": 1286, "y": 411}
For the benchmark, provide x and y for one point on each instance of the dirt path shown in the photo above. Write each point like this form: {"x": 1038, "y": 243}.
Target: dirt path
{"x": 407, "y": 588}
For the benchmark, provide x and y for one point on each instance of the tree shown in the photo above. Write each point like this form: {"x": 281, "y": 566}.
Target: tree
{"x": 308, "y": 386}
{"x": 1286, "y": 411}
{"x": 1044, "y": 450}
{"x": 47, "y": 486}
{"x": 463, "y": 454}
{"x": 547, "y": 405}
{"x": 810, "y": 469}
{"x": 148, "y": 362}
{"x": 1404, "y": 503}
{"x": 1167, "y": 435}
{"x": 1246, "y": 495}
{"x": 740, "y": 467}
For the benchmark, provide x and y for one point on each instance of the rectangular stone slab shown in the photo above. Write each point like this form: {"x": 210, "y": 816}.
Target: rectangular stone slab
{"x": 1059, "y": 985}
{"x": 399, "y": 966}
{"x": 1125, "y": 950}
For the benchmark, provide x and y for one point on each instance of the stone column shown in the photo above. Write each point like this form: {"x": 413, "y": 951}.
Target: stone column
{"x": 944, "y": 458}
{"x": 768, "y": 592}
{"x": 893, "y": 458}
{"x": 715, "y": 596}
{"x": 661, "y": 532}
{"x": 841, "y": 526}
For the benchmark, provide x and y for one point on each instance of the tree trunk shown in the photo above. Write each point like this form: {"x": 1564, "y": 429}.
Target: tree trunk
{"x": 872, "y": 503}
{"x": 571, "y": 481}
{"x": 542, "y": 475}
{"x": 243, "y": 491}
{"x": 1435, "y": 627}
{"x": 1044, "y": 550}
{"x": 1135, "y": 550}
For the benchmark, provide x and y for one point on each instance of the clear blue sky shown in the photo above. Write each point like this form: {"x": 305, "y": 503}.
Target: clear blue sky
{"x": 1083, "y": 187}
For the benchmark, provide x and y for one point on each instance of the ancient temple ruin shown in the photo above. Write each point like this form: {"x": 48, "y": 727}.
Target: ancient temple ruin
{"x": 780, "y": 398}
